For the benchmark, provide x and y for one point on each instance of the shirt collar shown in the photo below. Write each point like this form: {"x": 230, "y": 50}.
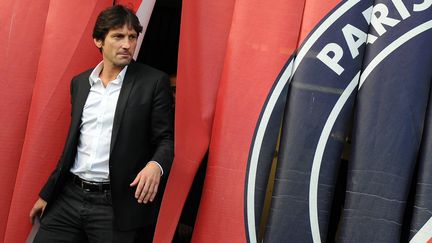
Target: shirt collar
{"x": 94, "y": 76}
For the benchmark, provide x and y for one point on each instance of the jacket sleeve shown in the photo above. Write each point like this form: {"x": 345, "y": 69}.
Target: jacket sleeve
{"x": 162, "y": 124}
{"x": 48, "y": 188}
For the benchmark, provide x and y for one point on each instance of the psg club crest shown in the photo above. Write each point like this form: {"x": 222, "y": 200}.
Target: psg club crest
{"x": 315, "y": 97}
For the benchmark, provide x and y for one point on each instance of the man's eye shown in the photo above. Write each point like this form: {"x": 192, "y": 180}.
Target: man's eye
{"x": 132, "y": 37}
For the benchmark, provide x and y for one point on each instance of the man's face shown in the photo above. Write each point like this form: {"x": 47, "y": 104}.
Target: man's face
{"x": 118, "y": 47}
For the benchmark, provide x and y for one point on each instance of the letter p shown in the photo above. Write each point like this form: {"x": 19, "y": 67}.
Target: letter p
{"x": 332, "y": 61}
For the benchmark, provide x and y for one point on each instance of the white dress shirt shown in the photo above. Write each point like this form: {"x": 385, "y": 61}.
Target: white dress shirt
{"x": 92, "y": 158}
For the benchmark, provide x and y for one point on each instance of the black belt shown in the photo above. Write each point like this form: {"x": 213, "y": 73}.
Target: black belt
{"x": 90, "y": 186}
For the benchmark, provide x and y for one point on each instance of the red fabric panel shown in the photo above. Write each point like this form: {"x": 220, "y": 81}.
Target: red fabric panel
{"x": 314, "y": 12}
{"x": 67, "y": 49}
{"x": 204, "y": 31}
{"x": 22, "y": 26}
{"x": 132, "y": 4}
{"x": 263, "y": 36}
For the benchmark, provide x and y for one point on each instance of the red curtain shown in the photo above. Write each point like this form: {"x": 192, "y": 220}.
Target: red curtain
{"x": 237, "y": 49}
{"x": 203, "y": 42}
{"x": 22, "y": 31}
{"x": 48, "y": 43}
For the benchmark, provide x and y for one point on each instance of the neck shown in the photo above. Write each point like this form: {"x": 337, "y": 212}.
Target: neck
{"x": 109, "y": 73}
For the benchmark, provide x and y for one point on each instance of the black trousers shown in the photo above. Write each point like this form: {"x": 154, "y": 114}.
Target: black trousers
{"x": 79, "y": 216}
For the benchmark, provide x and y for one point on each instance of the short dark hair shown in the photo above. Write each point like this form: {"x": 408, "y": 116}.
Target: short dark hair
{"x": 115, "y": 17}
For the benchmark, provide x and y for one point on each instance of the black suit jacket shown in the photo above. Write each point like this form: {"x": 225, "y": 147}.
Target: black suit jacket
{"x": 142, "y": 131}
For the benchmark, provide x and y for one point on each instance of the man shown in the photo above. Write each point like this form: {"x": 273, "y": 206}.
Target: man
{"x": 107, "y": 185}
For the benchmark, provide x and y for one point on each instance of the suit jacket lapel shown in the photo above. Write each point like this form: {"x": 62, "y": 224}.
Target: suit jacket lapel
{"x": 122, "y": 101}
{"x": 79, "y": 97}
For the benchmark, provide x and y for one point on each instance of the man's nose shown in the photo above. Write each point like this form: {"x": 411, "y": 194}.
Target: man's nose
{"x": 126, "y": 43}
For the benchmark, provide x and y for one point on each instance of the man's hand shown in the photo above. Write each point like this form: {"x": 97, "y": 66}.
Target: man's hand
{"x": 147, "y": 182}
{"x": 38, "y": 209}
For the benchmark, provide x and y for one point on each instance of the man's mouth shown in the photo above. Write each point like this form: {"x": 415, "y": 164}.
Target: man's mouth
{"x": 124, "y": 54}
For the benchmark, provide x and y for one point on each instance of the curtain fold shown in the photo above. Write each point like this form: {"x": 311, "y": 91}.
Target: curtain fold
{"x": 66, "y": 49}
{"x": 22, "y": 27}
{"x": 204, "y": 30}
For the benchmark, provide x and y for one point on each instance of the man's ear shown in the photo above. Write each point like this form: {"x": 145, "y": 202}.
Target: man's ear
{"x": 98, "y": 43}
